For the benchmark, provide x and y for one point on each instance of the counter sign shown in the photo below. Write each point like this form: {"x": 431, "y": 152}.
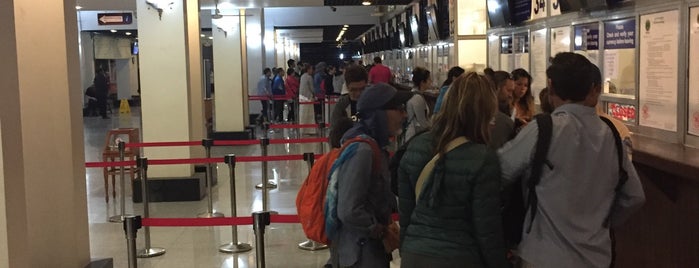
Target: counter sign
{"x": 114, "y": 18}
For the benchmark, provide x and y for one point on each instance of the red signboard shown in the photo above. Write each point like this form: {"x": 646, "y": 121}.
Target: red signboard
{"x": 626, "y": 113}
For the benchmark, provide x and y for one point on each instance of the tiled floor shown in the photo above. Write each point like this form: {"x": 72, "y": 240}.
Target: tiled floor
{"x": 198, "y": 246}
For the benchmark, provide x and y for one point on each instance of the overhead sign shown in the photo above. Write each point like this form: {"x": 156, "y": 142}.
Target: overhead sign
{"x": 114, "y": 18}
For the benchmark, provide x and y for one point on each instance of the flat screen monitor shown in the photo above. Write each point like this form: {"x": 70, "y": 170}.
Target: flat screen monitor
{"x": 499, "y": 13}
{"x": 414, "y": 33}
{"x": 433, "y": 30}
{"x": 577, "y": 5}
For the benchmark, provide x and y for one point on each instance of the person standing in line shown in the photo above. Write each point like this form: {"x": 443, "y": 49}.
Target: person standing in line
{"x": 264, "y": 89}
{"x": 418, "y": 111}
{"x": 346, "y": 107}
{"x": 580, "y": 195}
{"x": 306, "y": 94}
{"x": 339, "y": 79}
{"x": 292, "y": 93}
{"x": 319, "y": 93}
{"x": 453, "y": 73}
{"x": 101, "y": 83}
{"x": 380, "y": 73}
{"x": 359, "y": 193}
{"x": 465, "y": 178}
{"x": 278, "y": 91}
{"x": 522, "y": 98}
{"x": 504, "y": 128}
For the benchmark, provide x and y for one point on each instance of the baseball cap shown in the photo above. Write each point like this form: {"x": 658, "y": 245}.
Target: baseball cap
{"x": 382, "y": 96}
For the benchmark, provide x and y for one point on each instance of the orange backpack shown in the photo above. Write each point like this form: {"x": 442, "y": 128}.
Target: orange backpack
{"x": 310, "y": 200}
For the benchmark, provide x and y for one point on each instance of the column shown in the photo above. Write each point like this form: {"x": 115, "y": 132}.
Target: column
{"x": 169, "y": 88}
{"x": 44, "y": 217}
{"x": 228, "y": 65}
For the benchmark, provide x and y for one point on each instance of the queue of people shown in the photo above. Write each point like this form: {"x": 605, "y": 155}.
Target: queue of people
{"x": 481, "y": 139}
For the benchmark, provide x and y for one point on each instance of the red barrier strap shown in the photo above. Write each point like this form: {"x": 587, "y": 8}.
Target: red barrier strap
{"x": 109, "y": 164}
{"x": 162, "y": 144}
{"x": 239, "y": 142}
{"x": 173, "y": 222}
{"x": 227, "y": 221}
{"x": 305, "y": 140}
{"x": 184, "y": 161}
{"x": 263, "y": 97}
{"x": 293, "y": 126}
{"x": 309, "y": 102}
{"x": 268, "y": 158}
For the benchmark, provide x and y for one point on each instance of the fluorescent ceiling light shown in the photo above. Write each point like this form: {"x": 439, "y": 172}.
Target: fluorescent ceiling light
{"x": 211, "y": 37}
{"x": 202, "y": 35}
{"x": 78, "y": 7}
{"x": 366, "y": 3}
{"x": 112, "y": 30}
{"x": 127, "y": 33}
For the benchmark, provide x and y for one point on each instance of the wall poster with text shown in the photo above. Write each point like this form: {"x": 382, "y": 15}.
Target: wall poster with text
{"x": 693, "y": 116}
{"x": 560, "y": 40}
{"x": 620, "y": 57}
{"x": 539, "y": 60}
{"x": 586, "y": 41}
{"x": 659, "y": 41}
{"x": 494, "y": 52}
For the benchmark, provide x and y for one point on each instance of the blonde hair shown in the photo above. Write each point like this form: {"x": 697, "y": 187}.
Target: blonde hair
{"x": 468, "y": 109}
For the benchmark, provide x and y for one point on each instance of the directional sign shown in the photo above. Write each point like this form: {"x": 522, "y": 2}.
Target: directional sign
{"x": 114, "y": 18}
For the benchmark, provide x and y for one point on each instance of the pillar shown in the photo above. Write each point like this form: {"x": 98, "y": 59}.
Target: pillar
{"x": 170, "y": 89}
{"x": 229, "y": 68}
{"x": 43, "y": 222}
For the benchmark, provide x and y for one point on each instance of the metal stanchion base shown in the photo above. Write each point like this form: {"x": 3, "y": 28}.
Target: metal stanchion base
{"x": 150, "y": 252}
{"x": 118, "y": 218}
{"x": 312, "y": 245}
{"x": 211, "y": 215}
{"x": 270, "y": 185}
{"x": 234, "y": 247}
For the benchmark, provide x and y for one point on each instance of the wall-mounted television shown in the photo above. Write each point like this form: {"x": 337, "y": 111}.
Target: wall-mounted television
{"x": 577, "y": 5}
{"x": 443, "y": 19}
{"x": 499, "y": 13}
{"x": 432, "y": 25}
{"x": 414, "y": 31}
{"x": 423, "y": 27}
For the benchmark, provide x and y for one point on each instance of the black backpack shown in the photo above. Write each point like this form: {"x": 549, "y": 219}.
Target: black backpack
{"x": 515, "y": 208}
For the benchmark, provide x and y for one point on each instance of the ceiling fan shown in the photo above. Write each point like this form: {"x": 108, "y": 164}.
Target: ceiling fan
{"x": 217, "y": 12}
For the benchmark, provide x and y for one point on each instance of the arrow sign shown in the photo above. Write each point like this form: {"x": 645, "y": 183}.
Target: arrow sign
{"x": 114, "y": 18}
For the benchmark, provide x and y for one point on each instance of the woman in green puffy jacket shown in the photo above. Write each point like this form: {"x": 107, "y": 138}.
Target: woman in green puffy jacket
{"x": 456, "y": 220}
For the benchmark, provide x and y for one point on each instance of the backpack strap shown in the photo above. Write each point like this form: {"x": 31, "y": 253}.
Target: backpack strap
{"x": 427, "y": 170}
{"x": 543, "y": 142}
{"x": 376, "y": 151}
{"x": 623, "y": 176}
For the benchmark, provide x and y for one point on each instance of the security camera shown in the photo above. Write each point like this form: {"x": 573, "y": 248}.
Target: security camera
{"x": 334, "y": 9}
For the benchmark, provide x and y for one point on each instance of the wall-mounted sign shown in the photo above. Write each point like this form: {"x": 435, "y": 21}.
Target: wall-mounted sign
{"x": 586, "y": 37}
{"x": 521, "y": 11}
{"x": 659, "y": 46}
{"x": 554, "y": 8}
{"x": 620, "y": 57}
{"x": 520, "y": 46}
{"x": 623, "y": 112}
{"x": 114, "y": 18}
{"x": 538, "y": 9}
{"x": 539, "y": 61}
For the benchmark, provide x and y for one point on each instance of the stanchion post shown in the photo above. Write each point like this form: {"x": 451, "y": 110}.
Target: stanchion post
{"x": 260, "y": 220}
{"x": 122, "y": 170}
{"x": 210, "y": 213}
{"x": 147, "y": 251}
{"x": 321, "y": 128}
{"x": 310, "y": 244}
{"x": 266, "y": 183}
{"x": 234, "y": 246}
{"x": 131, "y": 226}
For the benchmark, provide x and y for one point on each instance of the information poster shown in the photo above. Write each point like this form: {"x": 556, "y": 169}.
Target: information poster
{"x": 693, "y": 117}
{"x": 560, "y": 40}
{"x": 494, "y": 52}
{"x": 538, "y": 9}
{"x": 586, "y": 41}
{"x": 521, "y": 51}
{"x": 506, "y": 55}
{"x": 620, "y": 57}
{"x": 659, "y": 39}
{"x": 538, "y": 62}
{"x": 623, "y": 112}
